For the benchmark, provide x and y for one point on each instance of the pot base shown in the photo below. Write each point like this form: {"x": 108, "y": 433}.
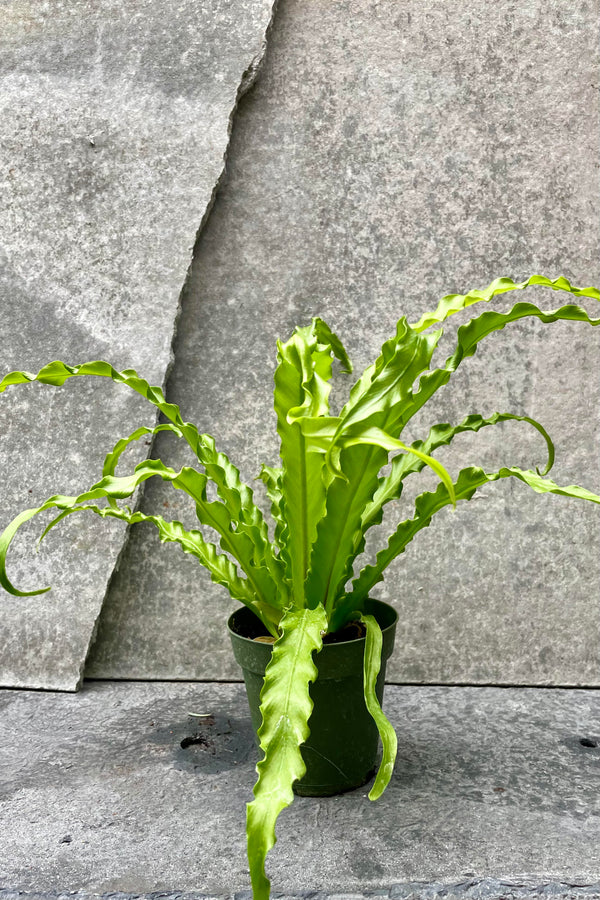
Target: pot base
{"x": 302, "y": 789}
{"x": 340, "y": 753}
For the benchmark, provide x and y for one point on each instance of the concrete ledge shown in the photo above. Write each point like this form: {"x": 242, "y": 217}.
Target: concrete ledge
{"x": 119, "y": 792}
{"x": 478, "y": 889}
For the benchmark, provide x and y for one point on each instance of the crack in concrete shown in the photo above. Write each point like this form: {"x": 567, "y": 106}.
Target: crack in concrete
{"x": 247, "y": 81}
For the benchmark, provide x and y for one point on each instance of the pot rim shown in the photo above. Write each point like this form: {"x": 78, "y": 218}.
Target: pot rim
{"x": 369, "y": 604}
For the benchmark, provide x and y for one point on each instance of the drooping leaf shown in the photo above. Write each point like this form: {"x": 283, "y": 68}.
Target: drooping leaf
{"x": 214, "y": 514}
{"x": 112, "y": 458}
{"x": 453, "y": 303}
{"x": 226, "y": 477}
{"x": 5, "y": 541}
{"x": 222, "y": 570}
{"x": 330, "y": 340}
{"x": 389, "y": 741}
{"x": 390, "y": 486}
{"x": 430, "y": 502}
{"x": 286, "y": 707}
{"x": 472, "y": 333}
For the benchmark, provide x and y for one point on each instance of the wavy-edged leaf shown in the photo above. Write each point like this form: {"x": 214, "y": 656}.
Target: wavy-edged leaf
{"x": 454, "y": 303}
{"x": 271, "y": 478}
{"x": 286, "y": 707}
{"x": 473, "y": 332}
{"x": 430, "y": 502}
{"x": 222, "y": 570}
{"x": 376, "y": 402}
{"x": 389, "y": 741}
{"x": 111, "y": 460}
{"x": 302, "y": 389}
{"x": 390, "y": 487}
{"x": 226, "y": 477}
{"x": 214, "y": 514}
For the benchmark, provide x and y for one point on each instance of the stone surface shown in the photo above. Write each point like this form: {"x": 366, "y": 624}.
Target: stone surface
{"x": 473, "y": 889}
{"x": 388, "y": 156}
{"x": 115, "y": 121}
{"x": 98, "y": 795}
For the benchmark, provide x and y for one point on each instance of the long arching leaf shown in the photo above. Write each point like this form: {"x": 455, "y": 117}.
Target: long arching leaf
{"x": 472, "y": 333}
{"x": 215, "y": 514}
{"x": 390, "y": 487}
{"x": 427, "y": 504}
{"x": 226, "y": 477}
{"x": 222, "y": 570}
{"x": 286, "y": 707}
{"x": 112, "y": 458}
{"x": 454, "y": 303}
{"x": 212, "y": 513}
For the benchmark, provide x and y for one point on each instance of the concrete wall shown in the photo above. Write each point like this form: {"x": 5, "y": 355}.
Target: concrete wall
{"x": 388, "y": 154}
{"x": 114, "y": 124}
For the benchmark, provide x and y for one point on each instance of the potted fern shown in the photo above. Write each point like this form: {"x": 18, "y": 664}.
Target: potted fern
{"x": 295, "y": 583}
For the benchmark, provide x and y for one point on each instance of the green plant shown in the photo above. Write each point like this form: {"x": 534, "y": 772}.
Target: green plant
{"x": 327, "y": 493}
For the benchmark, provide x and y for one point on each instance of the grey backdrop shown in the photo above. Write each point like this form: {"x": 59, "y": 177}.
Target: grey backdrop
{"x": 114, "y": 120}
{"x": 388, "y": 154}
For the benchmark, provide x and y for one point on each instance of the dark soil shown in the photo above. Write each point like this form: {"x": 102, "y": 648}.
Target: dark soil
{"x": 353, "y": 631}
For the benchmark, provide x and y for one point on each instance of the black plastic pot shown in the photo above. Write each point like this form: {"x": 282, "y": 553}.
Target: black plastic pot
{"x": 341, "y": 752}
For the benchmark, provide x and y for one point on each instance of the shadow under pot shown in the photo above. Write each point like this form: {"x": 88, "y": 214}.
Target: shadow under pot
{"x": 341, "y": 751}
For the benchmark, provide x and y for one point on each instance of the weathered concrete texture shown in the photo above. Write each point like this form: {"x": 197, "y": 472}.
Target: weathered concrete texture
{"x": 473, "y": 889}
{"x": 115, "y": 119}
{"x": 119, "y": 789}
{"x": 386, "y": 157}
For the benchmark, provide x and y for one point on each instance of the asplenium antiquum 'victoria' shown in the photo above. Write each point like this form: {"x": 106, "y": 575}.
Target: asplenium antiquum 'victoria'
{"x": 327, "y": 493}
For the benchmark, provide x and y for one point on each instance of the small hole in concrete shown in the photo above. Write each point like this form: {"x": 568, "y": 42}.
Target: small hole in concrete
{"x": 188, "y": 741}
{"x": 588, "y": 742}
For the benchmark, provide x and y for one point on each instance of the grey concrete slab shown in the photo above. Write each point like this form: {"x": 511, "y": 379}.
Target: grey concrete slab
{"x": 115, "y": 121}
{"x": 118, "y": 788}
{"x": 473, "y": 889}
{"x": 386, "y": 157}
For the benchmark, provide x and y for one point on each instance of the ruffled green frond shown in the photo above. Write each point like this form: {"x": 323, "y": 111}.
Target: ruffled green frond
{"x": 212, "y": 513}
{"x": 430, "y": 502}
{"x": 302, "y": 389}
{"x": 390, "y": 487}
{"x": 473, "y": 332}
{"x": 453, "y": 303}
{"x": 222, "y": 570}
{"x": 286, "y": 707}
{"x": 375, "y": 407}
{"x": 389, "y": 741}
{"x": 226, "y": 477}
{"x": 215, "y": 514}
